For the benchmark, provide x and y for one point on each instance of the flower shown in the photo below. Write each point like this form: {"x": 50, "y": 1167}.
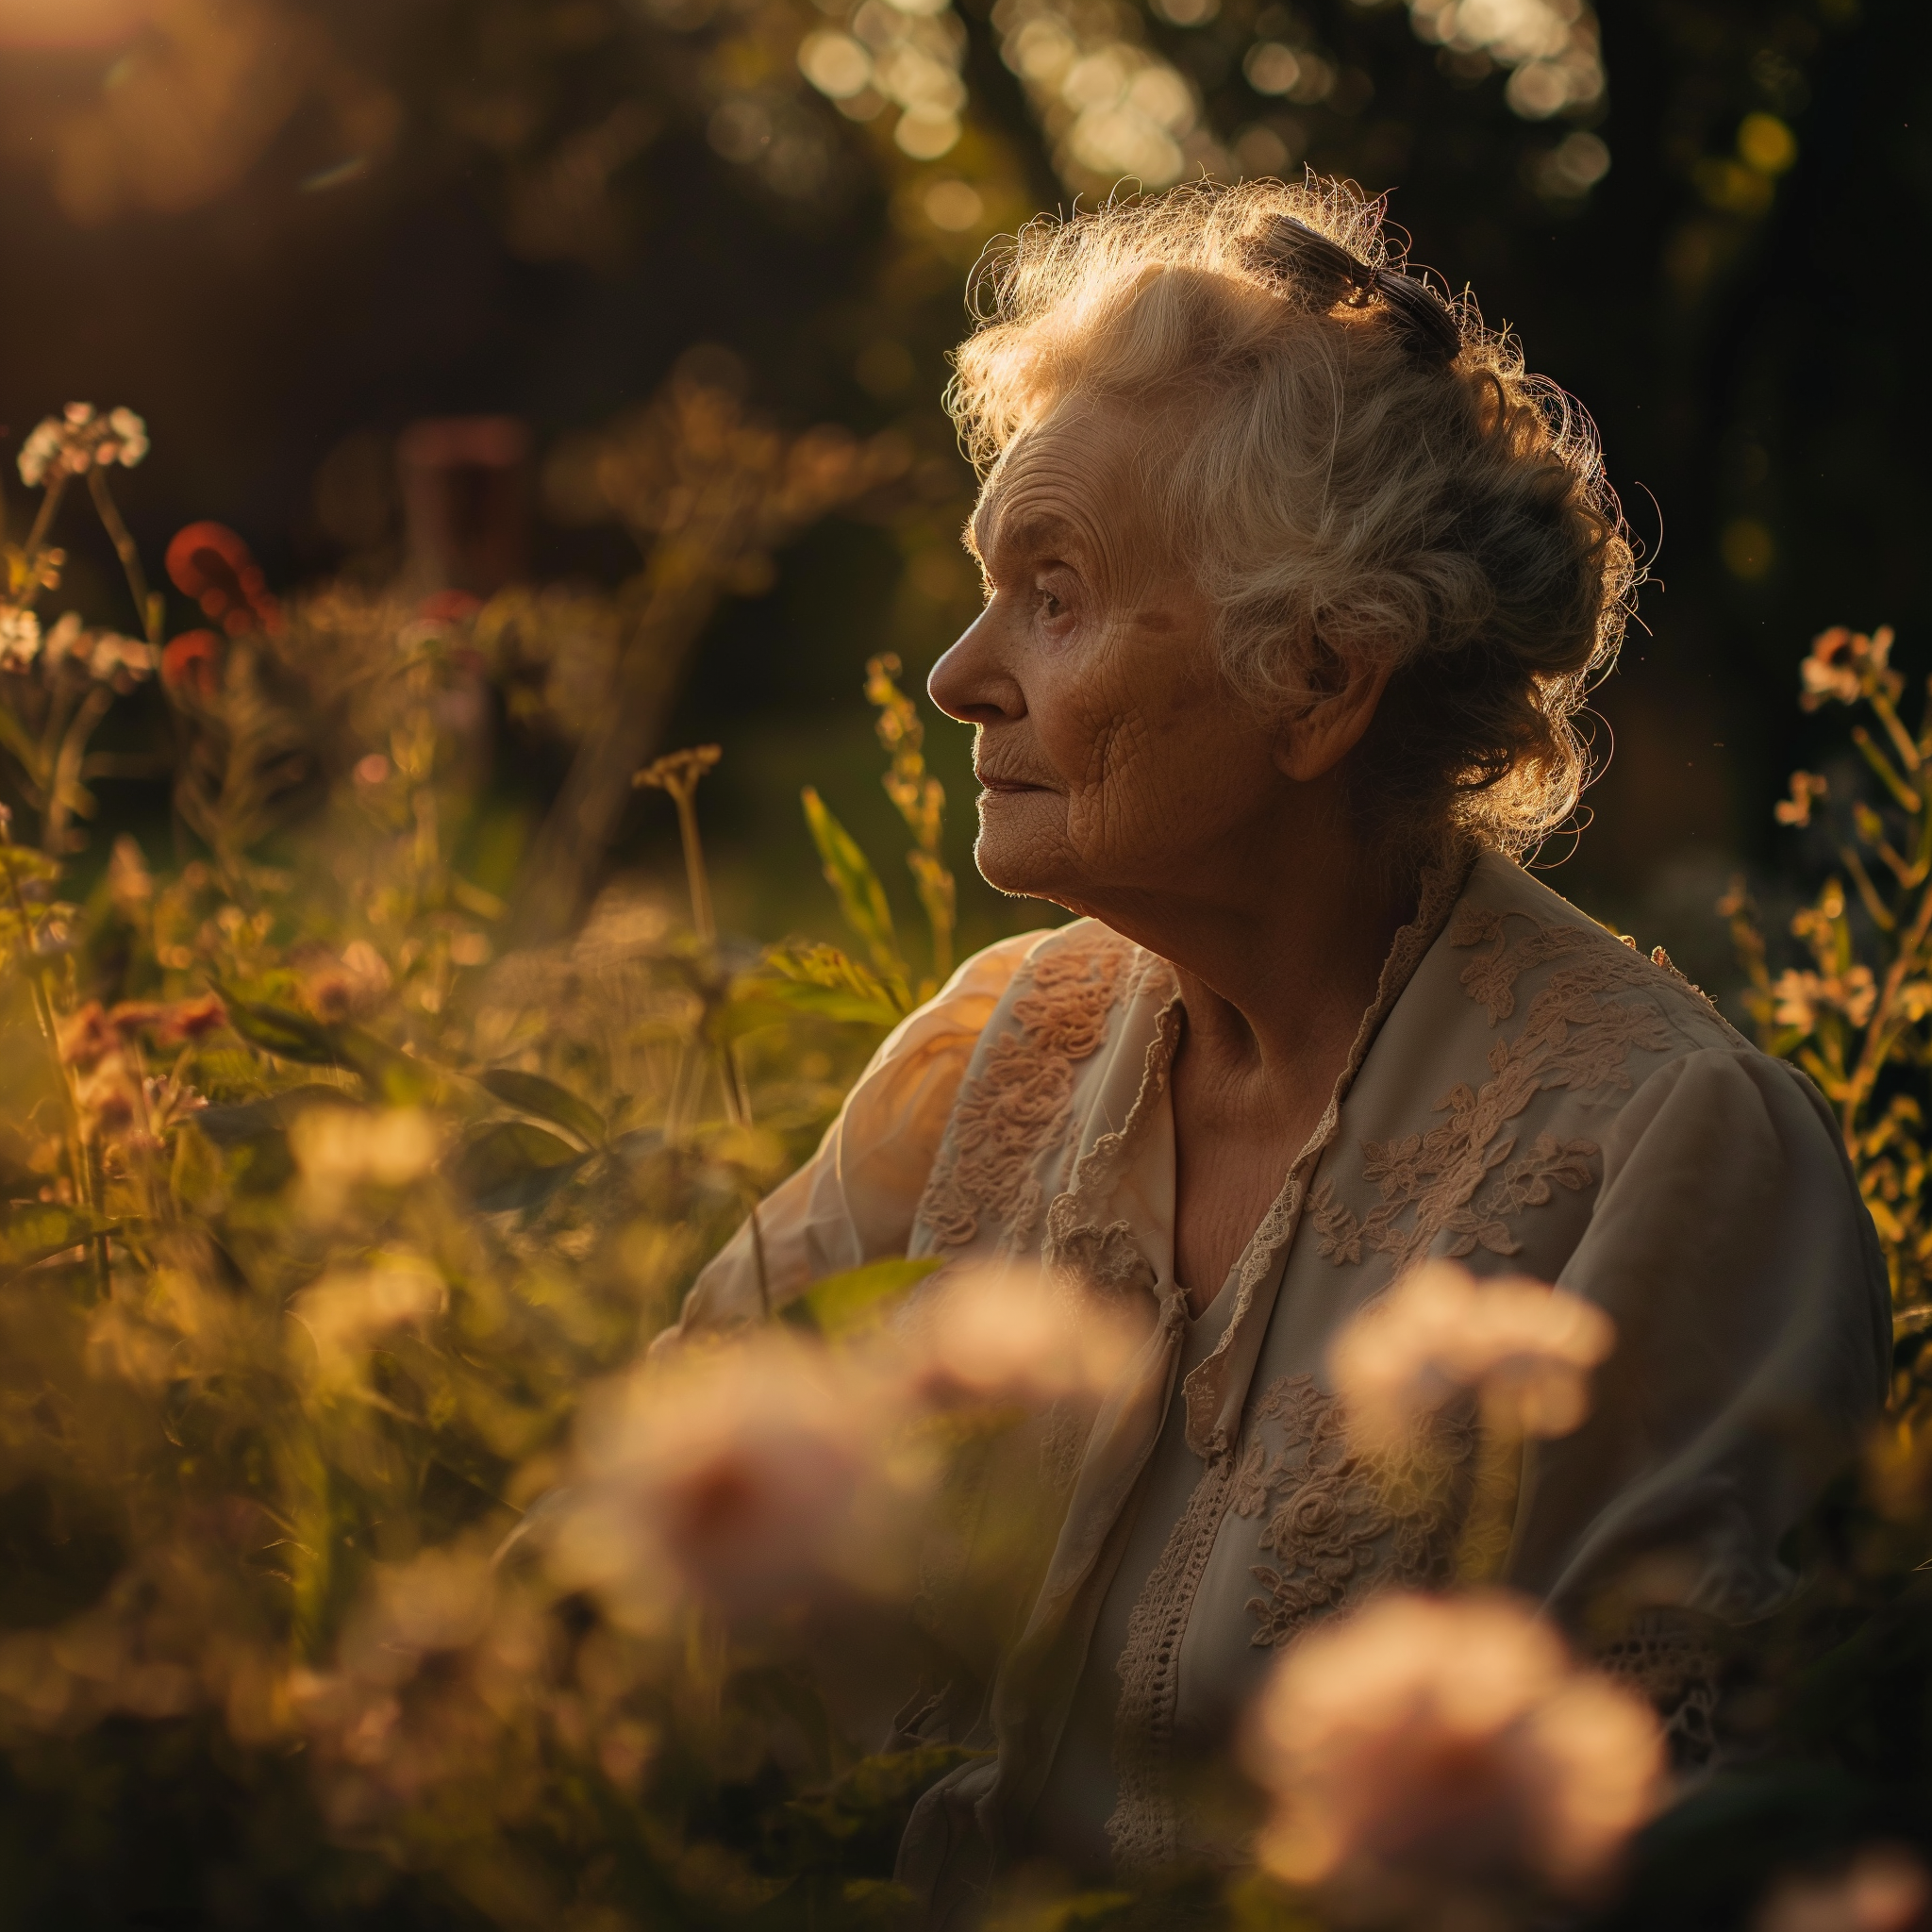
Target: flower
{"x": 1798, "y": 996}
{"x": 1807, "y": 788}
{"x": 80, "y": 440}
{"x": 103, "y": 654}
{"x": 19, "y": 637}
{"x": 337, "y": 1146}
{"x": 1843, "y": 663}
{"x": 350, "y": 987}
{"x": 1009, "y": 1335}
{"x": 1429, "y": 1752}
{"x": 211, "y": 564}
{"x": 347, "y": 1309}
{"x": 191, "y": 662}
{"x": 1527, "y": 1350}
{"x": 751, "y": 1474}
{"x": 1886, "y": 1889}
{"x": 86, "y": 1036}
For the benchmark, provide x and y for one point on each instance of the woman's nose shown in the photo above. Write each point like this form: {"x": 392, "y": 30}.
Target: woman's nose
{"x": 970, "y": 682}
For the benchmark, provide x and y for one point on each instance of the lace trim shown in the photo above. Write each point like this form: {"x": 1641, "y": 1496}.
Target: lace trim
{"x": 1671, "y": 1660}
{"x": 1339, "y": 1527}
{"x": 1459, "y": 1178}
{"x": 1144, "y": 1828}
{"x": 1022, "y": 1099}
{"x": 1344, "y": 1525}
{"x": 1213, "y": 1417}
{"x": 1110, "y": 1258}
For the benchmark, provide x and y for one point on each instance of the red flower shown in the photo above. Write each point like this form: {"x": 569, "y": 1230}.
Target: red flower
{"x": 209, "y": 563}
{"x": 193, "y": 661}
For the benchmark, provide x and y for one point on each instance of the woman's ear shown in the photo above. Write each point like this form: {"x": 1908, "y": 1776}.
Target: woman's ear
{"x": 1320, "y": 732}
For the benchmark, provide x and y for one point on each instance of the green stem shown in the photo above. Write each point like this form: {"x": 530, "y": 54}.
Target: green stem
{"x": 50, "y": 508}
{"x": 147, "y": 607}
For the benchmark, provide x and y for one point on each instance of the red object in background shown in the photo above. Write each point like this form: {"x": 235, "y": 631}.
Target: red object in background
{"x": 449, "y": 607}
{"x": 466, "y": 500}
{"x": 209, "y": 563}
{"x": 193, "y": 661}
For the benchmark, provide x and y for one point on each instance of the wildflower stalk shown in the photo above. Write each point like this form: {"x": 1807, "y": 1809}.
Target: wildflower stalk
{"x": 32, "y": 971}
{"x": 922, "y": 803}
{"x": 149, "y": 607}
{"x": 1860, "y": 1025}
{"x": 678, "y": 773}
{"x": 43, "y": 523}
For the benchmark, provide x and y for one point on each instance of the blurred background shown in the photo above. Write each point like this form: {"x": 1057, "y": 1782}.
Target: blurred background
{"x": 391, "y": 280}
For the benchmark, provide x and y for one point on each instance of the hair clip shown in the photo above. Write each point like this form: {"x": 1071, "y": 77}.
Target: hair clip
{"x": 1301, "y": 250}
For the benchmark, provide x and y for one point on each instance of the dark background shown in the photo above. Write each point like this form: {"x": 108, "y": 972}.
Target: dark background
{"x": 399, "y": 209}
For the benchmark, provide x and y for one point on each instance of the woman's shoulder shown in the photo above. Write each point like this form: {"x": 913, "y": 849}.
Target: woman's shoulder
{"x": 1524, "y": 953}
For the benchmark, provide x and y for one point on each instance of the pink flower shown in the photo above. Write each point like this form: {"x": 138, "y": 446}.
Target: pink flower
{"x": 1526, "y": 1349}
{"x": 753, "y": 1475}
{"x": 1430, "y": 1755}
{"x": 1007, "y": 1335}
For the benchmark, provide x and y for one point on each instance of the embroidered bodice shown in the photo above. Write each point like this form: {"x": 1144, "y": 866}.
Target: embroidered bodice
{"x": 1527, "y": 1094}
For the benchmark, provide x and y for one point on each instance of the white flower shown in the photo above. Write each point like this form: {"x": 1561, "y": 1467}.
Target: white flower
{"x": 105, "y": 655}
{"x": 752, "y": 1475}
{"x": 1527, "y": 1350}
{"x": 20, "y": 638}
{"x": 66, "y": 639}
{"x": 1430, "y": 1755}
{"x": 80, "y": 439}
{"x": 1010, "y": 1335}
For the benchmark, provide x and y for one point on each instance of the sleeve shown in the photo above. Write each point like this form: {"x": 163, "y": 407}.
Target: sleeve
{"x": 1731, "y": 1248}
{"x": 854, "y": 1201}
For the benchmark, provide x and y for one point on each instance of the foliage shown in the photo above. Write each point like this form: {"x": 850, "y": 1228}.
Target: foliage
{"x": 334, "y": 1225}
{"x": 1857, "y": 1017}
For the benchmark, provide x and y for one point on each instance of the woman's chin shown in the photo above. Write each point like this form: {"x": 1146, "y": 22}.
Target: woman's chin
{"x": 1015, "y": 865}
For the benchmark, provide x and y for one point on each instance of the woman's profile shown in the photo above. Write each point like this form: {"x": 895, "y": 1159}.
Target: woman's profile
{"x": 1295, "y": 582}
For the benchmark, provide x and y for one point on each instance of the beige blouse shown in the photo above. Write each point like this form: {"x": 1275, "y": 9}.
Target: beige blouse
{"x": 1527, "y": 1094}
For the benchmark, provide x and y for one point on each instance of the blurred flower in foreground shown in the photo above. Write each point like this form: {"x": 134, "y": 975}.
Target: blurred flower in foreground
{"x": 337, "y": 1148}
{"x": 1527, "y": 1350}
{"x": 1009, "y": 1335}
{"x": 79, "y": 439}
{"x": 347, "y": 1310}
{"x": 1438, "y": 1759}
{"x": 752, "y": 1474}
{"x": 1887, "y": 1890}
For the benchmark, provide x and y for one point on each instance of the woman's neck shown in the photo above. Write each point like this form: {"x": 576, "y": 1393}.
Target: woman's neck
{"x": 1277, "y": 964}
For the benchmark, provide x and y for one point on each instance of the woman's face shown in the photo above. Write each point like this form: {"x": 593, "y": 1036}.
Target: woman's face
{"x": 1116, "y": 760}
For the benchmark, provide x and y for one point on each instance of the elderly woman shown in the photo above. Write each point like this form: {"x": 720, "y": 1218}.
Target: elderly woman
{"x": 1295, "y": 579}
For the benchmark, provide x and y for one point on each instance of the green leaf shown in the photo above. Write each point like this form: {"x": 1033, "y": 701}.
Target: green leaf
{"x": 533, "y": 1093}
{"x": 275, "y": 1114}
{"x": 280, "y": 1031}
{"x": 513, "y": 1164}
{"x": 832, "y": 985}
{"x": 856, "y": 1300}
{"x": 398, "y": 1077}
{"x": 33, "y": 1232}
{"x": 862, "y": 898}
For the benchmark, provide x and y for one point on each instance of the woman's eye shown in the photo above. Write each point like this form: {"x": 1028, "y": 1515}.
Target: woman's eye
{"x": 1050, "y": 604}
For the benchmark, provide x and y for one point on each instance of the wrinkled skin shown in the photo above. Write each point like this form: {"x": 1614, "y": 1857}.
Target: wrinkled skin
{"x": 1125, "y": 779}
